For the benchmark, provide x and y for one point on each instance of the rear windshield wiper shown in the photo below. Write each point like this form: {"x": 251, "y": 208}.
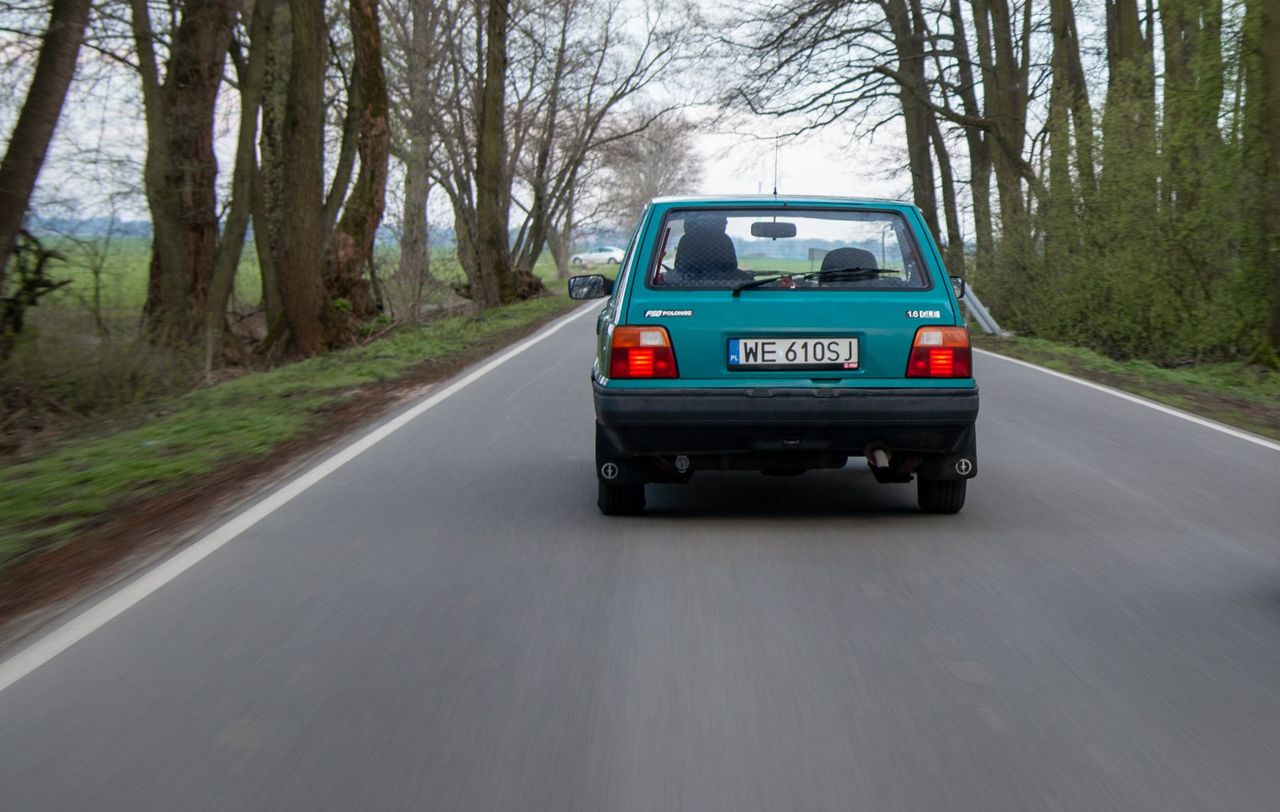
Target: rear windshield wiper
{"x": 850, "y": 273}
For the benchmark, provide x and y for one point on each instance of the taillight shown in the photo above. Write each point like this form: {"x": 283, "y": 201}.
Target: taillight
{"x": 941, "y": 352}
{"x": 641, "y": 352}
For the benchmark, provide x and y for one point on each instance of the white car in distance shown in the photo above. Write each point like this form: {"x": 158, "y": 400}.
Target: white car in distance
{"x": 597, "y": 256}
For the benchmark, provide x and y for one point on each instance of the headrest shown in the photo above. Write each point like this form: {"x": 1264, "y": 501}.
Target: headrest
{"x": 705, "y": 257}
{"x": 705, "y": 224}
{"x": 848, "y": 258}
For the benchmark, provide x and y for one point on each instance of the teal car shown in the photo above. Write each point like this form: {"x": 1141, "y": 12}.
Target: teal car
{"x": 781, "y": 335}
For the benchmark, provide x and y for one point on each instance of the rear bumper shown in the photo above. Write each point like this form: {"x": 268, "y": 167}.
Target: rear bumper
{"x": 927, "y": 422}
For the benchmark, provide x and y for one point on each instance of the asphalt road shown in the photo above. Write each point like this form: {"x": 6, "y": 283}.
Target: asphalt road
{"x": 446, "y": 622}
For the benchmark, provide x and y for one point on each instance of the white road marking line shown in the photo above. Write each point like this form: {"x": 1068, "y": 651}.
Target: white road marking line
{"x": 1141, "y": 401}
{"x": 101, "y": 613}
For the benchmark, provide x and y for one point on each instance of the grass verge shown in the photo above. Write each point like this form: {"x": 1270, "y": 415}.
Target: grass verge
{"x": 75, "y": 484}
{"x": 1237, "y": 394}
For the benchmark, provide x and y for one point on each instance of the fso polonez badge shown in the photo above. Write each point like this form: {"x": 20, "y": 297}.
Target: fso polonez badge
{"x": 667, "y": 314}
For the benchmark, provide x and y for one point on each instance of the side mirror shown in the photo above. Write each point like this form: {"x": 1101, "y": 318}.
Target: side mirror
{"x": 590, "y": 286}
{"x": 957, "y": 282}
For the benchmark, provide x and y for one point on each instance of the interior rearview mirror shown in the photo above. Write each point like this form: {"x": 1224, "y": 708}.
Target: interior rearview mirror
{"x": 590, "y": 286}
{"x": 773, "y": 230}
{"x": 957, "y": 282}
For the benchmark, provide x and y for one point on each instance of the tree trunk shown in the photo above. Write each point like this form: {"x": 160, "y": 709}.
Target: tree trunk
{"x": 302, "y": 227}
{"x": 1260, "y": 180}
{"x": 954, "y": 249}
{"x": 978, "y": 142}
{"x": 268, "y": 187}
{"x": 493, "y": 257}
{"x": 1007, "y": 100}
{"x": 916, "y": 114}
{"x": 538, "y": 223}
{"x": 1128, "y": 177}
{"x": 29, "y": 142}
{"x": 348, "y": 151}
{"x": 1270, "y": 58}
{"x": 1058, "y": 212}
{"x": 560, "y": 239}
{"x": 415, "y": 262}
{"x": 1193, "y": 89}
{"x": 1081, "y": 111}
{"x": 464, "y": 229}
{"x": 231, "y": 244}
{"x": 352, "y": 242}
{"x": 181, "y": 169}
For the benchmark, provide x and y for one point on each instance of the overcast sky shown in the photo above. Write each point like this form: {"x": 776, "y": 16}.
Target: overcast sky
{"x": 99, "y": 151}
{"x": 826, "y": 163}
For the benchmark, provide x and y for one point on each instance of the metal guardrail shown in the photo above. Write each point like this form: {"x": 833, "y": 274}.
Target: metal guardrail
{"x": 979, "y": 313}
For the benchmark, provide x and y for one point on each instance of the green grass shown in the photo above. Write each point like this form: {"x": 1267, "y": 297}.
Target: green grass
{"x": 47, "y": 499}
{"x": 119, "y": 273}
{"x": 1238, "y": 394}
{"x": 122, "y": 267}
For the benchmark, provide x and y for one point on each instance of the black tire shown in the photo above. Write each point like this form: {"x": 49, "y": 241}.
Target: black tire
{"x": 620, "y": 500}
{"x": 576, "y": 260}
{"x": 611, "y": 261}
{"x": 941, "y": 495}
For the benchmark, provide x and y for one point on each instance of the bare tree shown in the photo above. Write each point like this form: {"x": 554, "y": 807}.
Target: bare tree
{"x": 351, "y": 244}
{"x": 302, "y": 227}
{"x": 416, "y": 30}
{"x": 659, "y": 160}
{"x": 33, "y": 131}
{"x": 492, "y": 184}
{"x": 868, "y": 64}
{"x": 269, "y": 188}
{"x": 587, "y": 110}
{"x": 181, "y": 170}
{"x": 251, "y": 72}
{"x": 861, "y": 63}
{"x": 573, "y": 64}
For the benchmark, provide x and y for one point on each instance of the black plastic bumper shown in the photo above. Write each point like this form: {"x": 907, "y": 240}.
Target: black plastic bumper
{"x": 922, "y": 419}
{"x": 926, "y": 429}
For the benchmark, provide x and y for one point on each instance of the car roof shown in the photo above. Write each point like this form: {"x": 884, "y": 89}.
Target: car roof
{"x": 779, "y": 200}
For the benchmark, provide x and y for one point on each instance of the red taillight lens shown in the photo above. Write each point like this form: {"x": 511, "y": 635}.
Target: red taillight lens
{"x": 641, "y": 352}
{"x": 941, "y": 352}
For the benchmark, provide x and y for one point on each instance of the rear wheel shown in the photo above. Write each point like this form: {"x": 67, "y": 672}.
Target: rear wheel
{"x": 620, "y": 500}
{"x": 941, "y": 495}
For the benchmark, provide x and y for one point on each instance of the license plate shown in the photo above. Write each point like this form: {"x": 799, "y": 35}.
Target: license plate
{"x": 793, "y": 353}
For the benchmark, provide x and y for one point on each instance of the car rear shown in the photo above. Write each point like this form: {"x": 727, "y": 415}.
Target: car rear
{"x": 782, "y": 337}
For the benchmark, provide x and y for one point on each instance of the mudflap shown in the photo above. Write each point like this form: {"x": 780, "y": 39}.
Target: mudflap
{"x": 618, "y": 469}
{"x": 960, "y": 464}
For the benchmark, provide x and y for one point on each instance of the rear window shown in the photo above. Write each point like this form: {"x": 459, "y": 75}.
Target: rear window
{"x": 779, "y": 249}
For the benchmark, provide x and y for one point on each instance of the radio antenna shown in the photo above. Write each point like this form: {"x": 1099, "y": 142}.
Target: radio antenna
{"x": 776, "y": 141}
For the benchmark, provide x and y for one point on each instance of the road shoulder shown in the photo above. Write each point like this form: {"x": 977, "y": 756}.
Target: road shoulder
{"x": 1236, "y": 395}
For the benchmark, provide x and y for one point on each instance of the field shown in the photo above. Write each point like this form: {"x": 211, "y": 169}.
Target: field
{"x": 80, "y": 362}
{"x": 98, "y": 419}
{"x": 115, "y": 275}
{"x": 792, "y": 266}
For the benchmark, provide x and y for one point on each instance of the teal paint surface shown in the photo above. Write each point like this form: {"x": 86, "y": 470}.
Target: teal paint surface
{"x": 877, "y": 318}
